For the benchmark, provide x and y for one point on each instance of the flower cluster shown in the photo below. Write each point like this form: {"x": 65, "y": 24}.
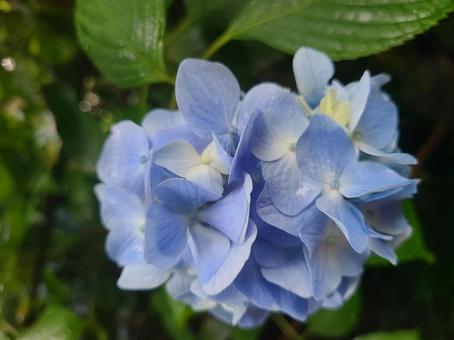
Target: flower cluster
{"x": 246, "y": 203}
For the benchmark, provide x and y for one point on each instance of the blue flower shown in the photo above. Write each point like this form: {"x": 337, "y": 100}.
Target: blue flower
{"x": 244, "y": 204}
{"x": 217, "y": 232}
{"x": 366, "y": 113}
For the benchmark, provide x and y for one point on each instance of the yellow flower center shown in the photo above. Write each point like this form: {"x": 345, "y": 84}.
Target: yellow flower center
{"x": 336, "y": 109}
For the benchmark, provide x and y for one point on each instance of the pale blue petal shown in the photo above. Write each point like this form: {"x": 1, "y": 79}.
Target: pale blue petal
{"x": 253, "y": 317}
{"x": 125, "y": 247}
{"x": 313, "y": 69}
{"x": 165, "y": 236}
{"x": 363, "y": 178}
{"x": 384, "y": 249}
{"x": 124, "y": 156}
{"x": 285, "y": 117}
{"x": 182, "y": 133}
{"x": 329, "y": 257}
{"x": 324, "y": 150}
{"x": 244, "y": 161}
{"x": 182, "y": 195}
{"x": 207, "y": 178}
{"x": 218, "y": 158}
{"x": 207, "y": 96}
{"x": 230, "y": 215}
{"x": 120, "y": 209}
{"x": 257, "y": 99}
{"x": 378, "y": 122}
{"x": 293, "y": 276}
{"x": 271, "y": 215}
{"x": 287, "y": 188}
{"x": 385, "y": 216}
{"x": 359, "y": 94}
{"x": 209, "y": 248}
{"x": 178, "y": 157}
{"x": 348, "y": 218}
{"x": 160, "y": 119}
{"x": 264, "y": 144}
{"x": 291, "y": 304}
{"x": 393, "y": 157}
{"x": 266, "y": 254}
{"x": 232, "y": 264}
{"x": 142, "y": 276}
{"x": 179, "y": 285}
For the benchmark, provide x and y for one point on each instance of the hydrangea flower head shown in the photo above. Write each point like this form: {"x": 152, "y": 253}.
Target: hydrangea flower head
{"x": 247, "y": 203}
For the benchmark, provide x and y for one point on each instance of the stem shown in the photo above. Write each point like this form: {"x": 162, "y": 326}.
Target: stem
{"x": 216, "y": 45}
{"x": 143, "y": 98}
{"x": 182, "y": 26}
{"x": 286, "y": 328}
{"x": 431, "y": 141}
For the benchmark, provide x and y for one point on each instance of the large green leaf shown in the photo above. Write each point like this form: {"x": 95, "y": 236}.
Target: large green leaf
{"x": 124, "y": 39}
{"x": 55, "y": 323}
{"x": 345, "y": 29}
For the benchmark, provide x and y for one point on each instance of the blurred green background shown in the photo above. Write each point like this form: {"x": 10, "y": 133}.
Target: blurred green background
{"x": 55, "y": 111}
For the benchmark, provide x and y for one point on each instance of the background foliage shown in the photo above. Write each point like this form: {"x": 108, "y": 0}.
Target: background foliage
{"x": 69, "y": 71}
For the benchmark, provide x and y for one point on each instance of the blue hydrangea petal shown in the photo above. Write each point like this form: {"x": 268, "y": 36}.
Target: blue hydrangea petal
{"x": 182, "y": 195}
{"x": 287, "y": 188}
{"x": 324, "y": 150}
{"x": 209, "y": 248}
{"x": 312, "y": 69}
{"x": 252, "y": 284}
{"x": 207, "y": 95}
{"x": 393, "y": 157}
{"x": 158, "y": 120}
{"x": 285, "y": 117}
{"x": 257, "y": 99}
{"x": 329, "y": 257}
{"x": 348, "y": 218}
{"x": 182, "y": 133}
{"x": 293, "y": 275}
{"x": 165, "y": 236}
{"x": 178, "y": 157}
{"x": 244, "y": 161}
{"x": 124, "y": 246}
{"x": 179, "y": 285}
{"x": 253, "y": 317}
{"x": 120, "y": 209}
{"x": 232, "y": 264}
{"x": 362, "y": 178}
{"x": 230, "y": 215}
{"x": 266, "y": 255}
{"x": 218, "y": 158}
{"x": 264, "y": 144}
{"x": 271, "y": 215}
{"x": 142, "y": 276}
{"x": 359, "y": 94}
{"x": 378, "y": 123}
{"x": 124, "y": 156}
{"x": 207, "y": 178}
{"x": 384, "y": 249}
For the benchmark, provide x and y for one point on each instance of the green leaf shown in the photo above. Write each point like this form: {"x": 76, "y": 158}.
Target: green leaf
{"x": 395, "y": 335}
{"x": 336, "y": 323}
{"x": 55, "y": 323}
{"x": 413, "y": 248}
{"x": 343, "y": 29}
{"x": 6, "y": 182}
{"x": 124, "y": 39}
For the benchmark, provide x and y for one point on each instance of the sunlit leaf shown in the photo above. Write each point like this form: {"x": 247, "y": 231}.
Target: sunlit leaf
{"x": 55, "y": 323}
{"x": 124, "y": 39}
{"x": 344, "y": 29}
